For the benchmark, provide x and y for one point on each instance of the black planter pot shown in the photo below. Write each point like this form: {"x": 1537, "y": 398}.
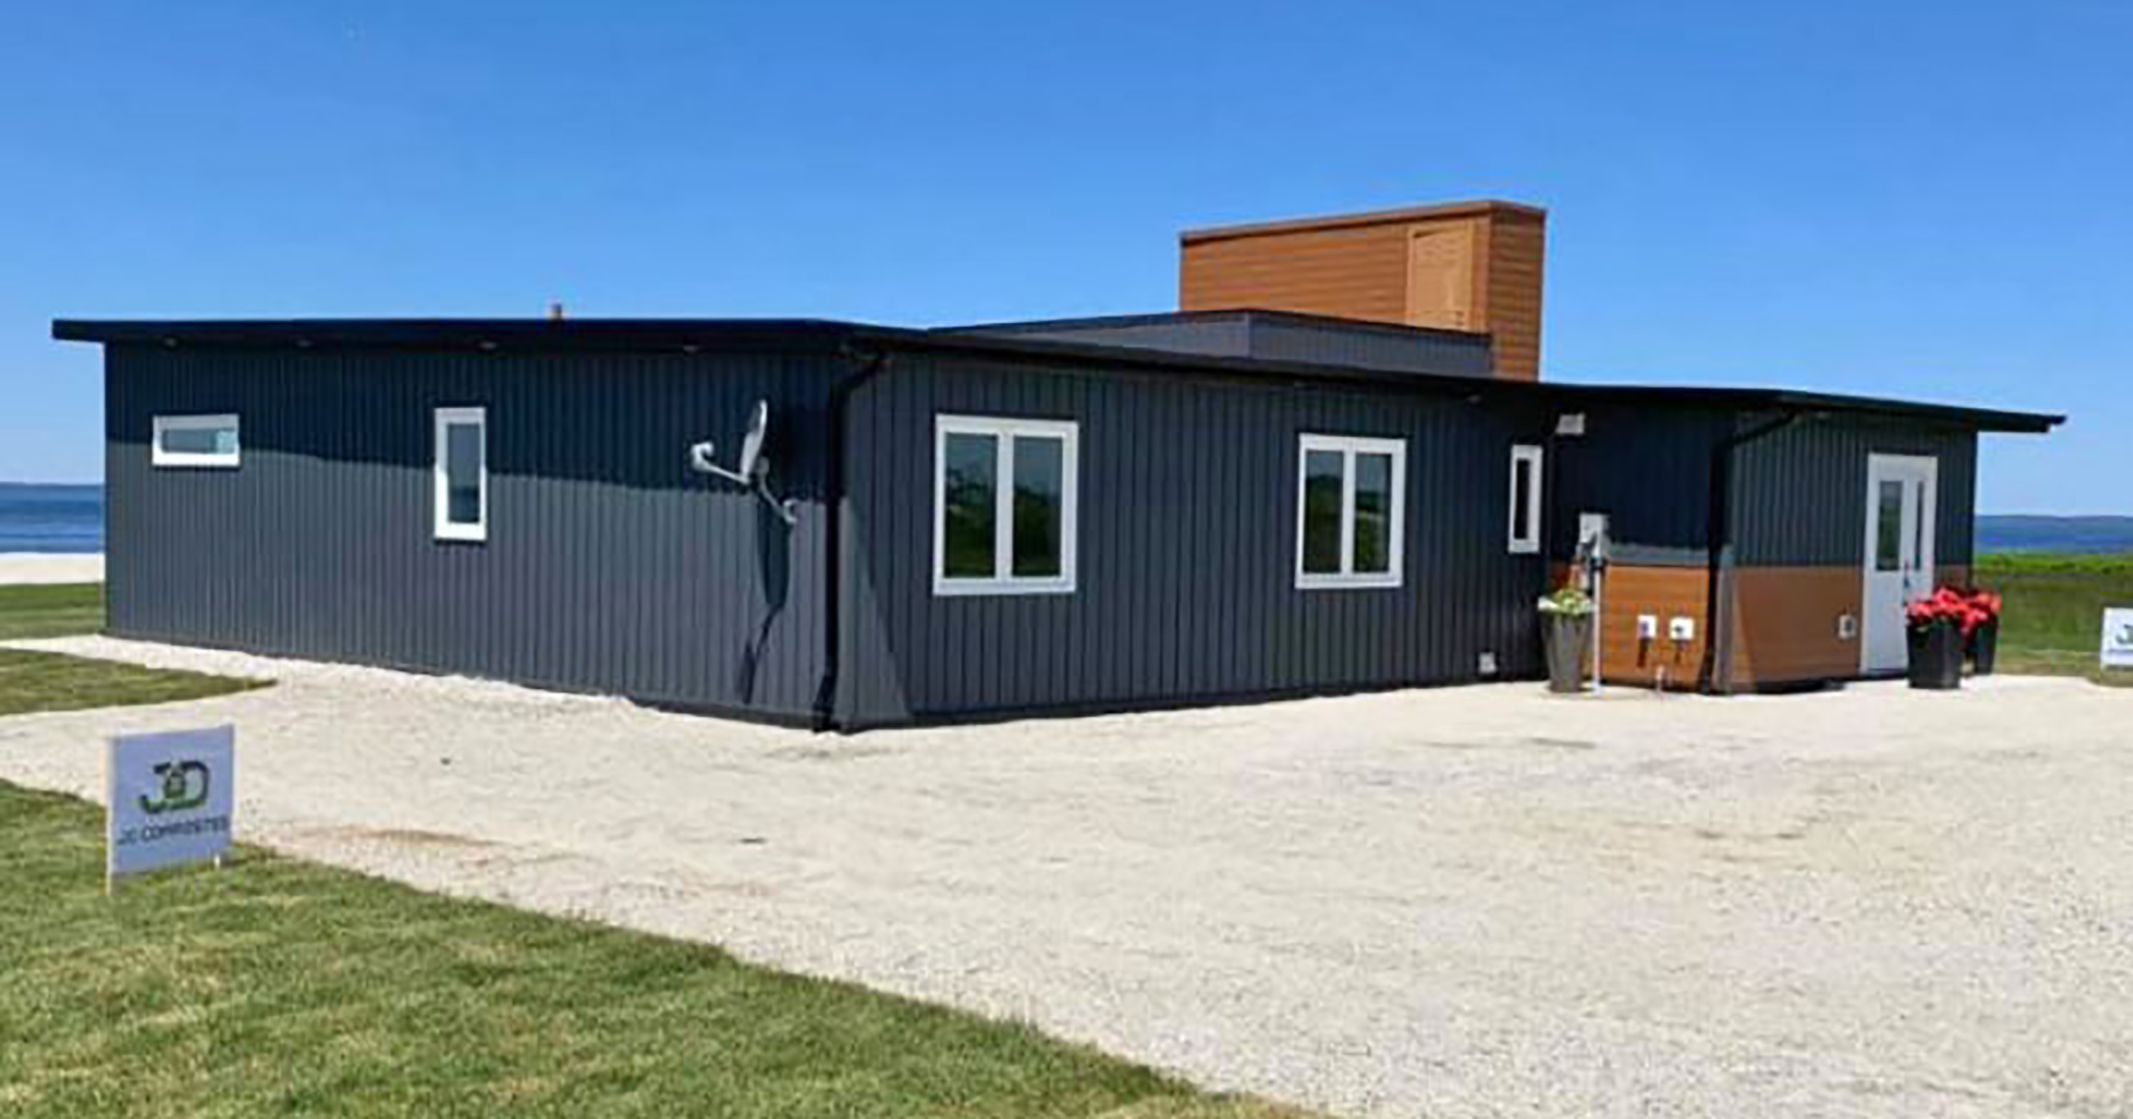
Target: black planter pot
{"x": 1985, "y": 647}
{"x": 1569, "y": 639}
{"x": 1937, "y": 655}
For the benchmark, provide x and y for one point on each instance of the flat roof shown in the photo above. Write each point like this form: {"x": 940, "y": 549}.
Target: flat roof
{"x": 1153, "y": 318}
{"x": 1472, "y": 208}
{"x": 689, "y": 335}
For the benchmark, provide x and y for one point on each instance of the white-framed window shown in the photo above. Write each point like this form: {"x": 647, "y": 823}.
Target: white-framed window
{"x": 203, "y": 441}
{"x": 460, "y": 500}
{"x": 1525, "y": 519}
{"x": 1351, "y": 511}
{"x": 1005, "y": 499}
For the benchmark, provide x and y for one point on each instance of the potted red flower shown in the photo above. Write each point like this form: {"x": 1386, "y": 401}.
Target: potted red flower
{"x": 1981, "y": 629}
{"x": 1942, "y": 628}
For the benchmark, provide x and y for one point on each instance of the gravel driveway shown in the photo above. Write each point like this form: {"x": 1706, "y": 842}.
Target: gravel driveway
{"x": 1472, "y": 901}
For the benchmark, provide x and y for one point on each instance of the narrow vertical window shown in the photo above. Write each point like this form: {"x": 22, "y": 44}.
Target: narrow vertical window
{"x": 461, "y": 497}
{"x": 1888, "y": 535}
{"x": 1350, "y": 511}
{"x": 1004, "y": 505}
{"x": 1525, "y": 534}
{"x": 970, "y": 503}
{"x": 1039, "y": 473}
{"x": 1323, "y": 511}
{"x": 1918, "y": 528}
{"x": 1373, "y": 514}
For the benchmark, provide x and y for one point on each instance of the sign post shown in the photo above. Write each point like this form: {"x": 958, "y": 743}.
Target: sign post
{"x": 2118, "y": 637}
{"x": 170, "y": 799}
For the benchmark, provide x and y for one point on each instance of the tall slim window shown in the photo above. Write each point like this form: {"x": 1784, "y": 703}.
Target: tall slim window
{"x": 1004, "y": 498}
{"x": 461, "y": 498}
{"x": 1351, "y": 499}
{"x": 1525, "y": 499}
{"x": 1888, "y": 540}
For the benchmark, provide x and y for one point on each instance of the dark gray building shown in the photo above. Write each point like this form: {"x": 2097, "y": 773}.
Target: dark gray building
{"x": 981, "y": 524}
{"x": 1364, "y": 487}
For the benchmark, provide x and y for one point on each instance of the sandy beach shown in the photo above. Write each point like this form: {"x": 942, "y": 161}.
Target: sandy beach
{"x": 43, "y": 567}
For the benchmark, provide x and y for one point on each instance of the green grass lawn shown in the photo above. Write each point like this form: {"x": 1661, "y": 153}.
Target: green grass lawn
{"x": 2052, "y": 622}
{"x": 280, "y": 987}
{"x": 51, "y": 682}
{"x": 277, "y": 987}
{"x": 56, "y": 611}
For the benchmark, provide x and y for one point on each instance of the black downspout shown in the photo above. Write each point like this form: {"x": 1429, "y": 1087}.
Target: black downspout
{"x": 873, "y": 363}
{"x": 1718, "y": 536}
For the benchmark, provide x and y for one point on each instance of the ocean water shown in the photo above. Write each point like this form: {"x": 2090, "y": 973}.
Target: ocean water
{"x": 46, "y": 518}
{"x": 36, "y": 518}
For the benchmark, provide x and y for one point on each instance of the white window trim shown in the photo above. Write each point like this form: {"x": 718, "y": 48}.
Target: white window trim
{"x": 157, "y": 456}
{"x": 440, "y": 494}
{"x": 1003, "y": 582}
{"x": 1349, "y": 447}
{"x": 1530, "y": 543}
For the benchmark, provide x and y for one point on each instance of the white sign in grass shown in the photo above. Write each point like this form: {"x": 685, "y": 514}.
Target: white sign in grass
{"x": 171, "y": 798}
{"x": 2118, "y": 637}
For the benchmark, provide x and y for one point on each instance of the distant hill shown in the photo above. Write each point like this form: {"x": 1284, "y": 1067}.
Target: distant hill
{"x": 2054, "y": 534}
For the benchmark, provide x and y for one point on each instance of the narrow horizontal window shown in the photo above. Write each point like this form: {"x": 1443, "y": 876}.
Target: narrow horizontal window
{"x": 1525, "y": 533}
{"x": 1351, "y": 511}
{"x": 202, "y": 441}
{"x": 461, "y": 497}
{"x": 1004, "y": 498}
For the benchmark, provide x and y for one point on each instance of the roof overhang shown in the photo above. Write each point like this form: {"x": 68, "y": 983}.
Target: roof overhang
{"x": 1808, "y": 403}
{"x": 1475, "y": 208}
{"x": 456, "y": 334}
{"x": 815, "y": 335}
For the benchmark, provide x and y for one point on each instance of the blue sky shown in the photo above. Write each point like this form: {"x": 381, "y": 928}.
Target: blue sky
{"x": 1925, "y": 200}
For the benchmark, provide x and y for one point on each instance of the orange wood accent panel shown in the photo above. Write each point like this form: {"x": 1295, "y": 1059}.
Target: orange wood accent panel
{"x": 1667, "y": 593}
{"x": 1356, "y": 272}
{"x": 1514, "y": 263}
{"x": 1471, "y": 266}
{"x": 1785, "y": 624}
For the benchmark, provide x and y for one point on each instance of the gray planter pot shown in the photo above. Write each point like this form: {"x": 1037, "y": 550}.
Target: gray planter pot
{"x": 1569, "y": 641}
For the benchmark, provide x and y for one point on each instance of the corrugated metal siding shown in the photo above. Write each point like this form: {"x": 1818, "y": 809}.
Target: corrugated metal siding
{"x": 1650, "y": 471}
{"x": 609, "y": 566}
{"x": 1185, "y": 584}
{"x": 1799, "y": 495}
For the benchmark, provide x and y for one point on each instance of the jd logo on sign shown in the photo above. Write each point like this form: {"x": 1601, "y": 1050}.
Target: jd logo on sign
{"x": 169, "y": 799}
{"x": 180, "y": 790}
{"x": 2118, "y": 637}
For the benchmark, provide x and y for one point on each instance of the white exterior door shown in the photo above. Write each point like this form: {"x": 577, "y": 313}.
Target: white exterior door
{"x": 1900, "y": 492}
